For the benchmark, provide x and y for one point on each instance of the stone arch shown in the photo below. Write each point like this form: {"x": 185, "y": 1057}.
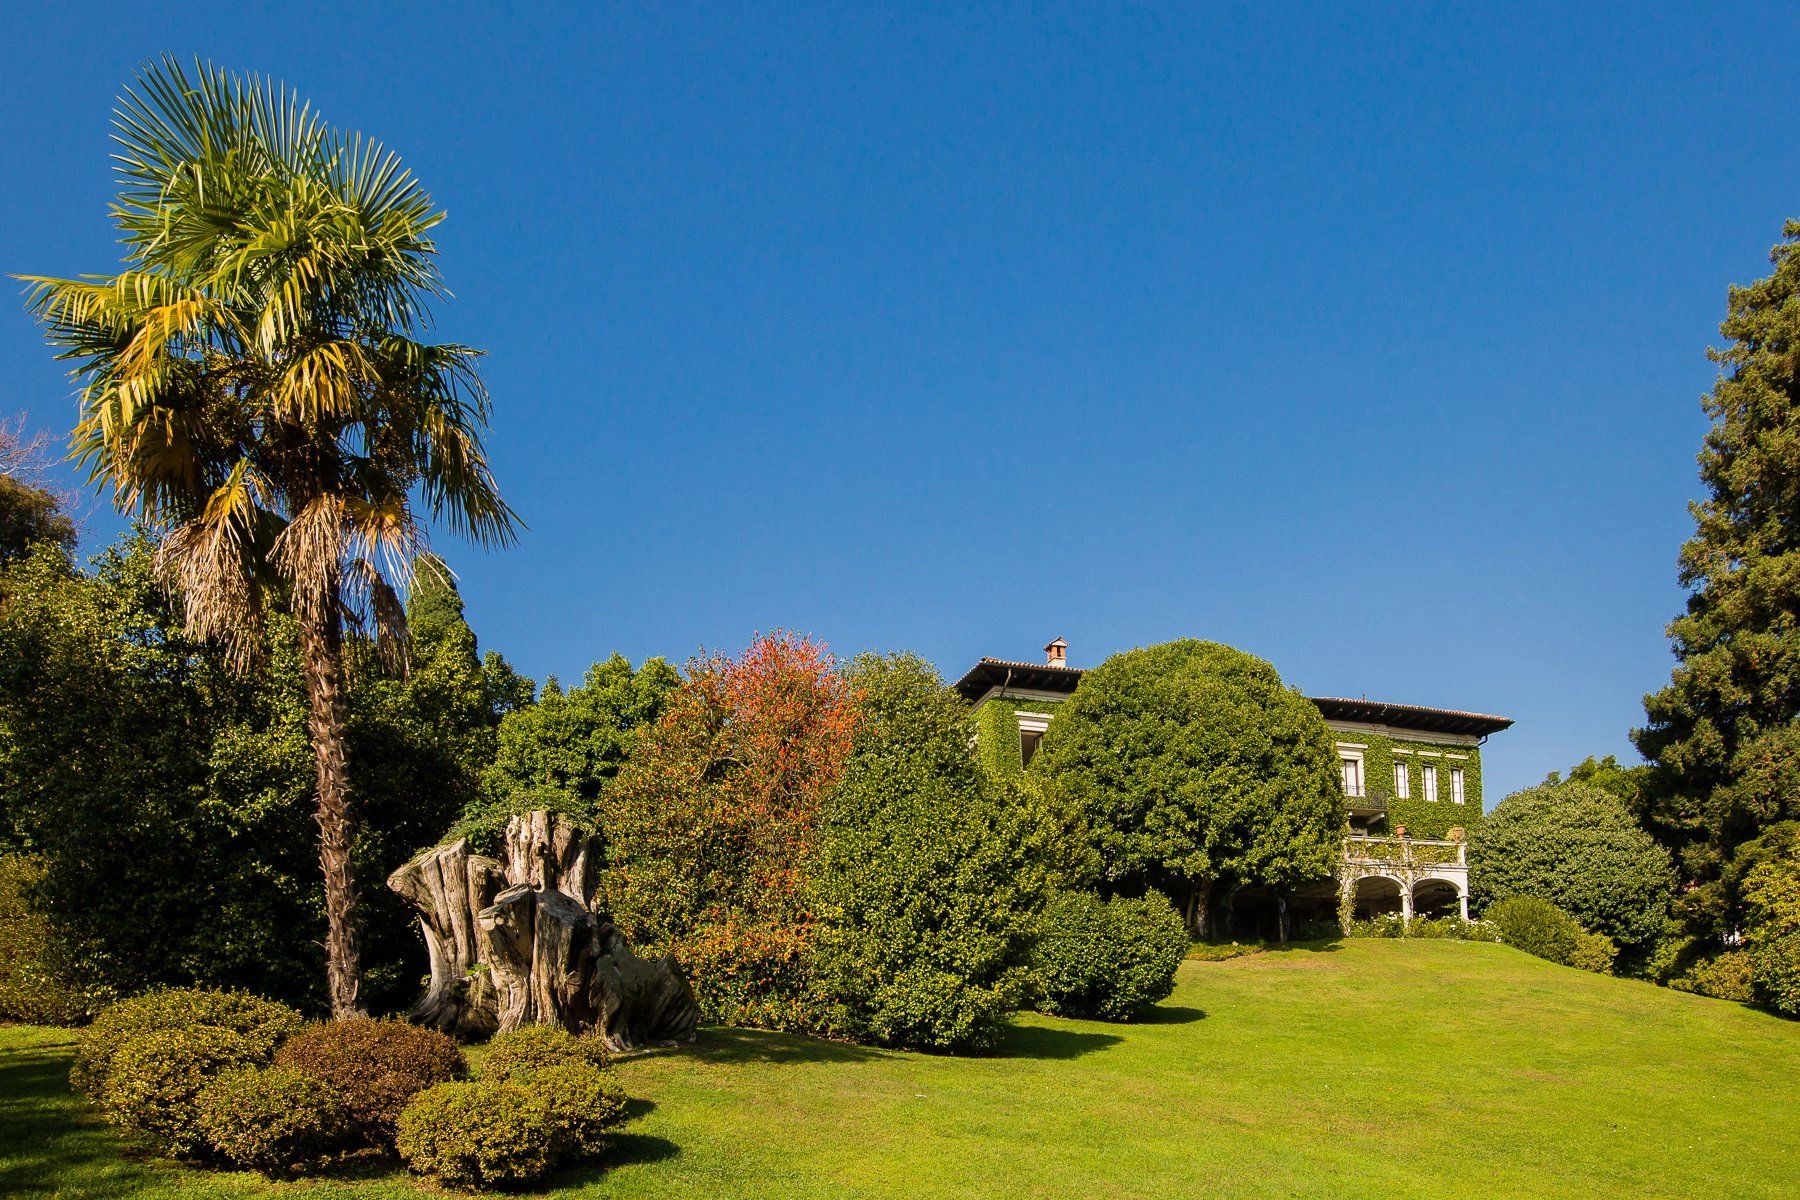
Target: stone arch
{"x": 1435, "y": 896}
{"x": 1377, "y": 895}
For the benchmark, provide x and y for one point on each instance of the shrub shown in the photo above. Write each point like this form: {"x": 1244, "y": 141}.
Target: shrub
{"x": 488, "y": 1133}
{"x": 1453, "y": 929}
{"x": 1593, "y": 952}
{"x": 584, "y": 1105}
{"x": 41, "y": 978}
{"x": 155, "y": 1079}
{"x": 275, "y": 1120}
{"x": 1775, "y": 973}
{"x": 713, "y": 823}
{"x": 1393, "y": 925}
{"x": 1535, "y": 926}
{"x": 264, "y": 1023}
{"x": 1109, "y": 960}
{"x": 1578, "y": 848}
{"x": 530, "y": 1048}
{"x": 931, "y": 876}
{"x": 376, "y": 1067}
{"x": 1725, "y": 976}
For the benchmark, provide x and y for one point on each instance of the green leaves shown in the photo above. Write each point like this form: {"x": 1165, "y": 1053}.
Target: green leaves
{"x": 1193, "y": 763}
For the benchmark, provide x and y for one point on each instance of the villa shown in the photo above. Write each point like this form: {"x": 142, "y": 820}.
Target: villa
{"x": 1411, "y": 778}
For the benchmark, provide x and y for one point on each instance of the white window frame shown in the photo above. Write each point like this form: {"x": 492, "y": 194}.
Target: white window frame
{"x": 1031, "y": 722}
{"x": 1457, "y": 795}
{"x": 1431, "y": 792}
{"x": 1402, "y": 780}
{"x": 1345, "y": 759}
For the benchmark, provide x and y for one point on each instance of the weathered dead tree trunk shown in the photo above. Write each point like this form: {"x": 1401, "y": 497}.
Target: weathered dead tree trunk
{"x": 519, "y": 942}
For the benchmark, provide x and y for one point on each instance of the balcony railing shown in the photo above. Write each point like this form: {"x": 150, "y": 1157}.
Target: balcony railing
{"x": 1368, "y": 802}
{"x": 1408, "y": 852}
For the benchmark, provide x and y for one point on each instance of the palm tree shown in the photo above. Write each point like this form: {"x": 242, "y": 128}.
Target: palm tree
{"x": 254, "y": 385}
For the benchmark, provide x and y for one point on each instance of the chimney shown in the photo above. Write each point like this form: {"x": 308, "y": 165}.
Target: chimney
{"x": 1056, "y": 654}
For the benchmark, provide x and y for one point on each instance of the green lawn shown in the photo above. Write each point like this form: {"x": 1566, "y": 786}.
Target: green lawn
{"x": 1374, "y": 1068}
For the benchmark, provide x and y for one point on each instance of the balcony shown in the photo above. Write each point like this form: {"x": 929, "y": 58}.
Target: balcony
{"x": 1405, "y": 852}
{"x": 1367, "y": 802}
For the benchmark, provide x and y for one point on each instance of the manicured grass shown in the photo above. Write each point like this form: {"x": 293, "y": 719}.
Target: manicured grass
{"x": 1373, "y": 1068}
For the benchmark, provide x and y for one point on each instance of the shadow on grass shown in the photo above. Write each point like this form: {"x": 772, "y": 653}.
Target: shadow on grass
{"x": 733, "y": 1046}
{"x": 1318, "y": 946}
{"x": 1052, "y": 1042}
{"x": 50, "y": 1144}
{"x": 623, "y": 1150}
{"x": 1171, "y": 1014}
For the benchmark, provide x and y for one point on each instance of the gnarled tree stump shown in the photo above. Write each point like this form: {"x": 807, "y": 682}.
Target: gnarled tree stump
{"x": 519, "y": 942}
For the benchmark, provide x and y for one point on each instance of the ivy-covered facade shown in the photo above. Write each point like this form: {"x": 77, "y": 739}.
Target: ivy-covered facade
{"x": 1411, "y": 776}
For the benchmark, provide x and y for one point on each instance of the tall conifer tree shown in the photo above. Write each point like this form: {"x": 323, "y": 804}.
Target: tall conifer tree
{"x": 1722, "y": 735}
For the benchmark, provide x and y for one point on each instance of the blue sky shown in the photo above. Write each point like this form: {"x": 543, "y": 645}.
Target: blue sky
{"x": 1368, "y": 340}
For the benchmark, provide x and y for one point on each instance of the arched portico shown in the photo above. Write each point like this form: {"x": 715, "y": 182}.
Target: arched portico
{"x": 1438, "y": 897}
{"x": 1379, "y": 895}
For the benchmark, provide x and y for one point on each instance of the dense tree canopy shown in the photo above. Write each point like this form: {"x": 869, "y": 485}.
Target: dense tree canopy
{"x": 1194, "y": 765}
{"x": 573, "y": 743}
{"x": 164, "y": 795}
{"x": 1721, "y": 735}
{"x": 1608, "y": 775}
{"x": 1579, "y": 848}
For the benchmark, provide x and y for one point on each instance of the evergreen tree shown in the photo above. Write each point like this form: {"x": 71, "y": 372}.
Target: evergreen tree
{"x": 1721, "y": 736}
{"x": 1195, "y": 766}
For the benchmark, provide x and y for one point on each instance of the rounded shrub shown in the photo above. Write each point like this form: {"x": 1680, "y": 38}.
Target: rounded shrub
{"x": 1535, "y": 926}
{"x": 1107, "y": 959}
{"x": 264, "y": 1023}
{"x": 275, "y": 1120}
{"x": 155, "y": 1079}
{"x": 584, "y": 1105}
{"x": 519, "y": 1052}
{"x": 483, "y": 1134}
{"x": 376, "y": 1067}
{"x": 1593, "y": 952}
{"x": 1579, "y": 848}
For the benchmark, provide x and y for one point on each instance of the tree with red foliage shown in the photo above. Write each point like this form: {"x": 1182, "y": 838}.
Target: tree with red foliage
{"x": 713, "y": 825}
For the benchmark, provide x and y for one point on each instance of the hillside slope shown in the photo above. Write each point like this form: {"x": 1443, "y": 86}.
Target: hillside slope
{"x": 1412, "y": 1069}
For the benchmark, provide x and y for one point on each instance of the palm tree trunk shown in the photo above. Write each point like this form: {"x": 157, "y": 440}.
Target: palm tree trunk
{"x": 322, "y": 655}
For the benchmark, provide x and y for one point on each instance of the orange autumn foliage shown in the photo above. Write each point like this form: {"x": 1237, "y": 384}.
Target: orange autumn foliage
{"x": 713, "y": 826}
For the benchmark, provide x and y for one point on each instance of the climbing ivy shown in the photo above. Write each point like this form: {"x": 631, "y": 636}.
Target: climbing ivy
{"x": 1423, "y": 818}
{"x": 997, "y": 732}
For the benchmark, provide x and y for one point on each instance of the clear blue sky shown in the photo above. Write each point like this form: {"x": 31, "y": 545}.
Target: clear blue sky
{"x": 1369, "y": 343}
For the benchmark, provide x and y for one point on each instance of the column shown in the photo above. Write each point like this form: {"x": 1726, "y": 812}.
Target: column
{"x": 1406, "y": 913}
{"x": 1462, "y": 902}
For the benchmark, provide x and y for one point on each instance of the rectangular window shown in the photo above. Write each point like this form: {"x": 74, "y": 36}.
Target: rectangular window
{"x": 1028, "y": 745}
{"x": 1353, "y": 782}
{"x": 1431, "y": 784}
{"x": 1402, "y": 781}
{"x": 1456, "y": 784}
